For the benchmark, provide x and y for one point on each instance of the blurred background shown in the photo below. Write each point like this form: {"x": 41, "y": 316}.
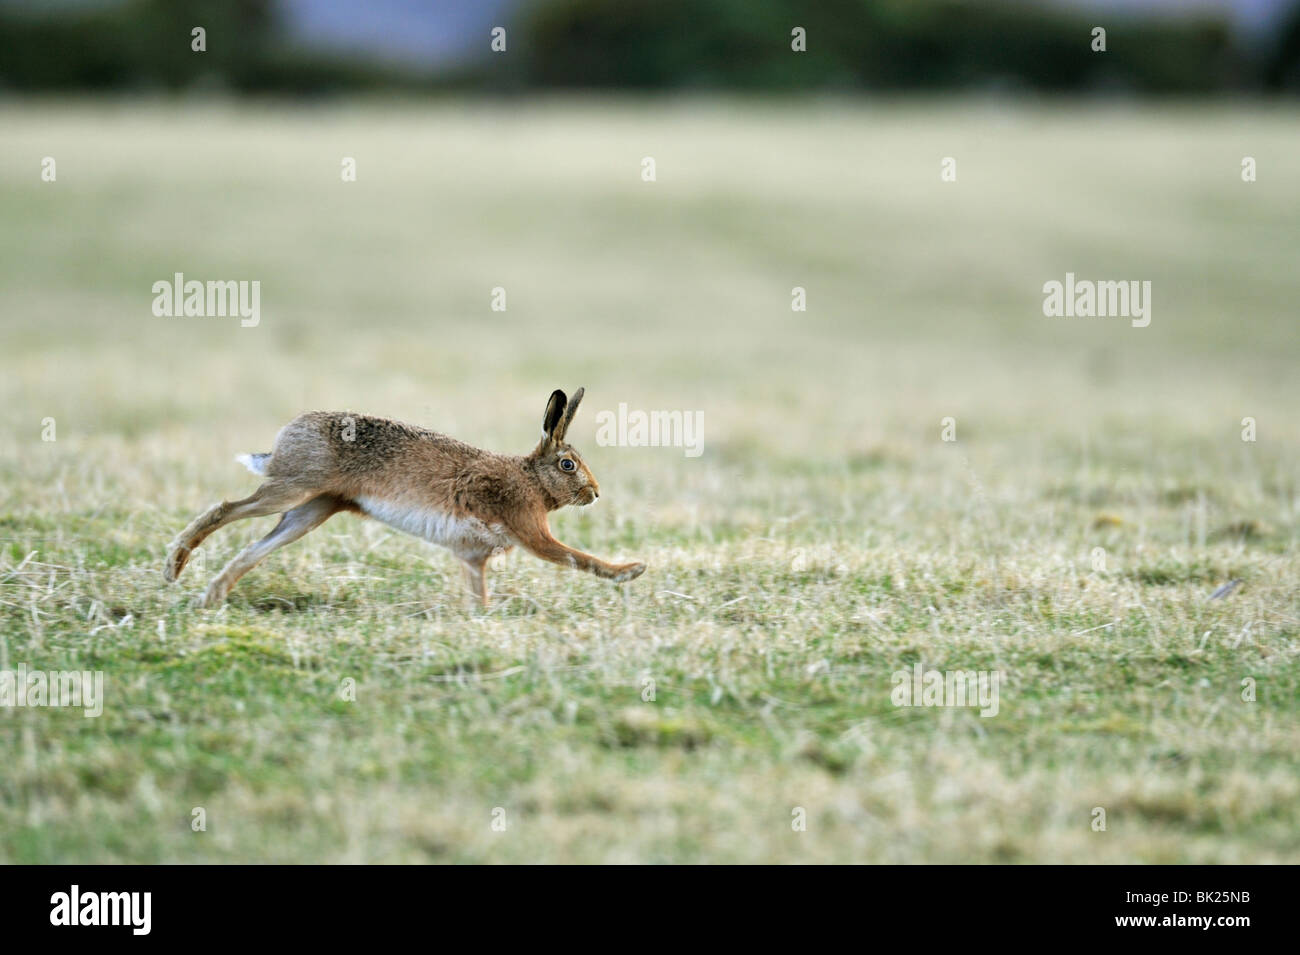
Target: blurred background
{"x": 520, "y": 168}
{"x": 321, "y": 46}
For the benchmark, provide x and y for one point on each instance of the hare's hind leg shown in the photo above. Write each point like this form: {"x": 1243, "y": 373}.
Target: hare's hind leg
{"x": 272, "y": 497}
{"x": 293, "y": 525}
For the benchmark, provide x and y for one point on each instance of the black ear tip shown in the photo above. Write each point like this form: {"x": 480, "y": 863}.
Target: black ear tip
{"x": 554, "y": 411}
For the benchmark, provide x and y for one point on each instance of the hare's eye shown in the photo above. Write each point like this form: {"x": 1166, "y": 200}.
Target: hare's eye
{"x": 566, "y": 464}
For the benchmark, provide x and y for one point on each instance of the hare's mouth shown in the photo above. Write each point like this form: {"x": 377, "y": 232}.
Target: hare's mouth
{"x": 586, "y": 496}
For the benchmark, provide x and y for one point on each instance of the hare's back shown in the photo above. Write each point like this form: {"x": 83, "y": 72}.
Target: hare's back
{"x": 358, "y": 443}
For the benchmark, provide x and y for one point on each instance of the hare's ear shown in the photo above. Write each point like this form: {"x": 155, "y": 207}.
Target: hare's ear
{"x": 569, "y": 412}
{"x": 554, "y": 414}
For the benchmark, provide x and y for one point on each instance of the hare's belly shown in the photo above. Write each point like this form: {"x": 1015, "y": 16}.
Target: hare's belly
{"x": 439, "y": 527}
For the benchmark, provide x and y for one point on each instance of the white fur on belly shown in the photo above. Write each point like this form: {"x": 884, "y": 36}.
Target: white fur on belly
{"x": 436, "y": 526}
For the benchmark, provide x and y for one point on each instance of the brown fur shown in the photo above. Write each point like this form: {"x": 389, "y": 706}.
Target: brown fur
{"x": 484, "y": 503}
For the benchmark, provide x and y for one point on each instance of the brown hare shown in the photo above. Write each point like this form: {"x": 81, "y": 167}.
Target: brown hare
{"x": 473, "y": 502}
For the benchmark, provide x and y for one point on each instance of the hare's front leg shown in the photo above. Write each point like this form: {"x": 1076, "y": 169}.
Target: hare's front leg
{"x": 475, "y": 564}
{"x": 539, "y": 540}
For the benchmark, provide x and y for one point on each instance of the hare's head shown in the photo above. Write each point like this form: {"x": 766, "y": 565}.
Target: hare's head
{"x": 563, "y": 474}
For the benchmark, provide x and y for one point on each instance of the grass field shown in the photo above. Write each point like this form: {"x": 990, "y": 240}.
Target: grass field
{"x": 826, "y": 538}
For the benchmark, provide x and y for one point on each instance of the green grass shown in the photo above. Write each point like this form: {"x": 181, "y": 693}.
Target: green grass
{"x": 826, "y": 538}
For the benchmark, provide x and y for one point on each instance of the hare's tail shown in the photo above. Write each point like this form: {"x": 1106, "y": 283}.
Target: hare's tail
{"x": 254, "y": 462}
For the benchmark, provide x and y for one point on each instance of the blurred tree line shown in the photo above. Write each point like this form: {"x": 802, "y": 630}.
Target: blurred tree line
{"x": 656, "y": 45}
{"x": 146, "y": 45}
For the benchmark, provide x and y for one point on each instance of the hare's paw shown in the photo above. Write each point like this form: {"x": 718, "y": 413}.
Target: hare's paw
{"x": 176, "y": 561}
{"x": 626, "y": 572}
{"x": 215, "y": 595}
